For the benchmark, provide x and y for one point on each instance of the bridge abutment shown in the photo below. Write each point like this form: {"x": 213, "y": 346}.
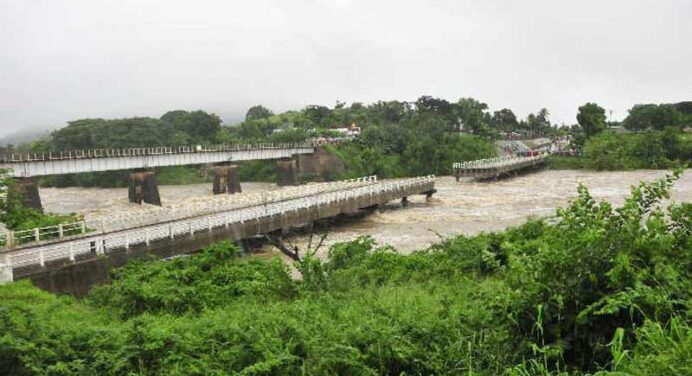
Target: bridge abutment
{"x": 226, "y": 179}
{"x": 288, "y": 172}
{"x": 142, "y": 187}
{"x": 24, "y": 191}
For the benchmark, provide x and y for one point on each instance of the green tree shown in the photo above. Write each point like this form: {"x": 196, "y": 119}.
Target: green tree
{"x": 258, "y": 112}
{"x": 591, "y": 118}
{"x": 202, "y": 127}
{"x": 473, "y": 115}
{"x": 652, "y": 116}
{"x": 315, "y": 116}
{"x": 504, "y": 120}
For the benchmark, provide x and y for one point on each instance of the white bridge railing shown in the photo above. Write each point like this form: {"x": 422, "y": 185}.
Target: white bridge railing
{"x": 157, "y": 214}
{"x": 136, "y": 152}
{"x": 100, "y": 243}
{"x": 494, "y": 162}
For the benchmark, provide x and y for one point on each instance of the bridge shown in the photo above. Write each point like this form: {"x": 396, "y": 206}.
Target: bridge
{"x": 494, "y": 168}
{"x": 185, "y": 231}
{"x": 142, "y": 182}
{"x": 73, "y": 162}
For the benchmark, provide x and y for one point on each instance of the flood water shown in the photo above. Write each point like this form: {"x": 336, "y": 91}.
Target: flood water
{"x": 465, "y": 207}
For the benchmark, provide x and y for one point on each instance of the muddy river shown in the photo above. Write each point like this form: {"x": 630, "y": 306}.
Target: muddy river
{"x": 466, "y": 207}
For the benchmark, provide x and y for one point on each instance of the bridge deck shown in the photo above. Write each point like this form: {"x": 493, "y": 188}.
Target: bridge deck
{"x": 151, "y": 214}
{"x": 29, "y": 165}
{"x": 495, "y": 167}
{"x": 236, "y": 223}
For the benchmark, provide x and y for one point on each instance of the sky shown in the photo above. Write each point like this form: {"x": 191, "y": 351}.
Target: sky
{"x": 62, "y": 60}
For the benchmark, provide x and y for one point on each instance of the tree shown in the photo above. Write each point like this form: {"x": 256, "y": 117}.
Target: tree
{"x": 591, "y": 118}
{"x": 542, "y": 120}
{"x": 201, "y": 126}
{"x": 504, "y": 119}
{"x": 118, "y": 133}
{"x": 440, "y": 108}
{"x": 258, "y": 112}
{"x": 317, "y": 116}
{"x": 473, "y": 116}
{"x": 388, "y": 112}
{"x": 652, "y": 116}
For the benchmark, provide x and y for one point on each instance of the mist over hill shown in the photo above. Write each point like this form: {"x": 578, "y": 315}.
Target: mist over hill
{"x": 24, "y": 136}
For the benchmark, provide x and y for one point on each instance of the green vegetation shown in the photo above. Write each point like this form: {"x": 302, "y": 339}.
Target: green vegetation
{"x": 591, "y": 119}
{"x": 419, "y": 155}
{"x": 398, "y": 138}
{"x": 659, "y": 116}
{"x": 17, "y": 217}
{"x": 560, "y": 162}
{"x": 602, "y": 290}
{"x": 659, "y": 139}
{"x": 180, "y": 175}
{"x": 649, "y": 150}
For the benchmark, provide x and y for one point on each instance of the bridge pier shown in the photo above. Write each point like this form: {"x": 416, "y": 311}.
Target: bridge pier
{"x": 226, "y": 179}
{"x": 24, "y": 191}
{"x": 142, "y": 187}
{"x": 6, "y": 274}
{"x": 429, "y": 194}
{"x": 287, "y": 169}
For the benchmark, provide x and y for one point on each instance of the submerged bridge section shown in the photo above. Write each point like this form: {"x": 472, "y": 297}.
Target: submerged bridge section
{"x": 494, "y": 168}
{"x": 187, "y": 234}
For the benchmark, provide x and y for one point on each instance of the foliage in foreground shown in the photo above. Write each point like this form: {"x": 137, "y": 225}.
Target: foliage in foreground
{"x": 603, "y": 290}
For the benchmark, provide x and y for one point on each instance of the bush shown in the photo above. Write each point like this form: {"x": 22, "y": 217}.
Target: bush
{"x": 602, "y": 290}
{"x": 651, "y": 150}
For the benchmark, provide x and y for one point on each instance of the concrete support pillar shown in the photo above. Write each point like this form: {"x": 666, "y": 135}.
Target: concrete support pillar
{"x": 287, "y": 169}
{"x": 24, "y": 191}
{"x": 226, "y": 180}
{"x": 429, "y": 194}
{"x": 143, "y": 188}
{"x": 6, "y": 275}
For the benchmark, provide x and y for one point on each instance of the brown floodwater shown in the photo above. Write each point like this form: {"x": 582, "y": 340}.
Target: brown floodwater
{"x": 465, "y": 207}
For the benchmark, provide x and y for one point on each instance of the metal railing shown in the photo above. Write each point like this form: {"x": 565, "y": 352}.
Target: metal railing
{"x": 101, "y": 243}
{"x": 37, "y": 234}
{"x": 495, "y": 162}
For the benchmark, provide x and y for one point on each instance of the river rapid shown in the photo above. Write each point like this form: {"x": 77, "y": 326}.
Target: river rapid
{"x": 466, "y": 207}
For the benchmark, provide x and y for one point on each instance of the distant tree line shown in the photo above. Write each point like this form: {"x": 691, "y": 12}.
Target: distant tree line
{"x": 397, "y": 137}
{"x": 651, "y": 136}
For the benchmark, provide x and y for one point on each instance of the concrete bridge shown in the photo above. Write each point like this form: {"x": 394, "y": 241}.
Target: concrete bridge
{"x": 65, "y": 258}
{"x": 142, "y": 181}
{"x": 494, "y": 168}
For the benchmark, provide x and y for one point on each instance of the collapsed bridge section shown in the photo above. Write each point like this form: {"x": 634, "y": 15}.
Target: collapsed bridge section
{"x": 494, "y": 168}
{"x": 188, "y": 234}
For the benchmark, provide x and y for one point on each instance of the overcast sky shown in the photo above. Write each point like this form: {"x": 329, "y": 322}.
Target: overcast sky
{"x": 67, "y": 59}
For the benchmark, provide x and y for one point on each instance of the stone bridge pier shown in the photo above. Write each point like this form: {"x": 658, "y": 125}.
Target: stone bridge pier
{"x": 142, "y": 187}
{"x": 226, "y": 179}
{"x": 288, "y": 171}
{"x": 25, "y": 192}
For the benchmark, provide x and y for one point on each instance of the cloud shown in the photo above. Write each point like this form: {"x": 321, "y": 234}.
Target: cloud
{"x": 68, "y": 59}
